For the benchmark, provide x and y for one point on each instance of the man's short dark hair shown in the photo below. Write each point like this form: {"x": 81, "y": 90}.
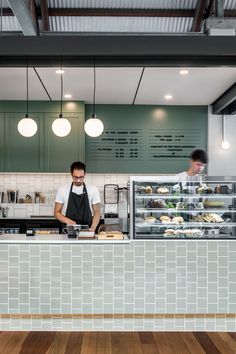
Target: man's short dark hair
{"x": 199, "y": 155}
{"x": 77, "y": 165}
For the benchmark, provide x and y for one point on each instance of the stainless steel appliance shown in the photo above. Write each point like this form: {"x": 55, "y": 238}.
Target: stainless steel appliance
{"x": 2, "y": 197}
{"x": 116, "y": 206}
{"x": 12, "y": 196}
{"x": 111, "y": 200}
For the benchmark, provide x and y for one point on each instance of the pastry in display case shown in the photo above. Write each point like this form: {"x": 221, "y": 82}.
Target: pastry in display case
{"x": 164, "y": 207}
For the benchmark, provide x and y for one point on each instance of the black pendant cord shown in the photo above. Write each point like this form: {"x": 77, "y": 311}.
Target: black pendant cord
{"x": 27, "y": 89}
{"x": 60, "y": 115}
{"x": 61, "y": 96}
{"x": 94, "y": 88}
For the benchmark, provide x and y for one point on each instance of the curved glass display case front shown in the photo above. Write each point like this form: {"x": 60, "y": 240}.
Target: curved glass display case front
{"x": 166, "y": 207}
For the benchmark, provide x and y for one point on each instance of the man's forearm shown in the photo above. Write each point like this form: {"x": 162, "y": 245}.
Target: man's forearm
{"x": 63, "y": 219}
{"x": 96, "y": 219}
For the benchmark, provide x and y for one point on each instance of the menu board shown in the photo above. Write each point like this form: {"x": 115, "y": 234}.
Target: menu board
{"x": 172, "y": 144}
{"x": 124, "y": 144}
{"x": 137, "y": 142}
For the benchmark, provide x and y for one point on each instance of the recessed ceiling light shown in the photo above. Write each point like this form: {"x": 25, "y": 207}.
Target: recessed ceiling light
{"x": 67, "y": 95}
{"x": 168, "y": 97}
{"x": 60, "y": 71}
{"x": 184, "y": 72}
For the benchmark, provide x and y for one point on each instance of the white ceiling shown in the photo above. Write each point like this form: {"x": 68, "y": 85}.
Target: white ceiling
{"x": 118, "y": 85}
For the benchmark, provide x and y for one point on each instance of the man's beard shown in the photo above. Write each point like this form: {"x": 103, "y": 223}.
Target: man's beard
{"x": 78, "y": 184}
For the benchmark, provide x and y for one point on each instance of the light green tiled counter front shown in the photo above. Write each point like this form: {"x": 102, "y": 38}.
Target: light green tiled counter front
{"x": 142, "y": 285}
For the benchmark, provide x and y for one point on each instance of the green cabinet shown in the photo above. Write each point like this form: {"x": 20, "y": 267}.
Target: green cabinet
{"x": 43, "y": 152}
{"x": 23, "y": 154}
{"x": 59, "y": 153}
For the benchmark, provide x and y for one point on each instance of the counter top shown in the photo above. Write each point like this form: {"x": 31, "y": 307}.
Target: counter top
{"x": 33, "y": 217}
{"x": 54, "y": 239}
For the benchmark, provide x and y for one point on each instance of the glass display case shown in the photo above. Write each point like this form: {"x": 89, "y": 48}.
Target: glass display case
{"x": 166, "y": 207}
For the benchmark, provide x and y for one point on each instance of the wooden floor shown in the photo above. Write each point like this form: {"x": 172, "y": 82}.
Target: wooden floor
{"x": 117, "y": 342}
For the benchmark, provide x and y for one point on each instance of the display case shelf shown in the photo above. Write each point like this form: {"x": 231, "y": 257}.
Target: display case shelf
{"x": 188, "y": 224}
{"x": 179, "y": 211}
{"x": 186, "y": 196}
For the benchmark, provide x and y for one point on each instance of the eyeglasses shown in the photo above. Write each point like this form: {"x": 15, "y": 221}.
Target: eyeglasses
{"x": 78, "y": 177}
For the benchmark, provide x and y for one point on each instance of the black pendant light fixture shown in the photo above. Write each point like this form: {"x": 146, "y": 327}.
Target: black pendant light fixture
{"x": 94, "y": 126}
{"x": 61, "y": 127}
{"x": 27, "y": 127}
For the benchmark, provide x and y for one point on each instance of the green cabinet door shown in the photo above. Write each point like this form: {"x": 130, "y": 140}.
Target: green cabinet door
{"x": 59, "y": 152}
{"x": 2, "y": 142}
{"x": 23, "y": 154}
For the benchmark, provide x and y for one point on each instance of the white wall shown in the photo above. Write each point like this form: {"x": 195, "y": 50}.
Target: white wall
{"x": 221, "y": 162}
{"x": 48, "y": 183}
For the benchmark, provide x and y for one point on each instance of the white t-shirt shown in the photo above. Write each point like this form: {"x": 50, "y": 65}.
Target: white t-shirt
{"x": 182, "y": 175}
{"x": 63, "y": 192}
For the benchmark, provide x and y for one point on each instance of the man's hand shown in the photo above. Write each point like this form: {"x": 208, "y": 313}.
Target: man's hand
{"x": 59, "y": 216}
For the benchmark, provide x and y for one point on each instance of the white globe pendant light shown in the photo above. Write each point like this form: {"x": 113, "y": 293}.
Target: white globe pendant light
{"x": 93, "y": 126}
{"x": 225, "y": 145}
{"x": 61, "y": 127}
{"x": 27, "y": 127}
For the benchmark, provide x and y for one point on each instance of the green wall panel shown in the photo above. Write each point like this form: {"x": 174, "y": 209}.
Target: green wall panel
{"x": 146, "y": 139}
{"x": 61, "y": 152}
{"x": 2, "y": 142}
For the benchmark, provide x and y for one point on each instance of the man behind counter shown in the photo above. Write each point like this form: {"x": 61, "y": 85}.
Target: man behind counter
{"x": 77, "y": 203}
{"x": 198, "y": 161}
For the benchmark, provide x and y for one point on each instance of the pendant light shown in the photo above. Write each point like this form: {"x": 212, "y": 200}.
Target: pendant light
{"x": 94, "y": 126}
{"x": 225, "y": 145}
{"x": 27, "y": 127}
{"x": 61, "y": 127}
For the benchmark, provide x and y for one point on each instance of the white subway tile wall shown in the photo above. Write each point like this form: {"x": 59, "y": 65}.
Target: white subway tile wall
{"x": 48, "y": 183}
{"x": 182, "y": 277}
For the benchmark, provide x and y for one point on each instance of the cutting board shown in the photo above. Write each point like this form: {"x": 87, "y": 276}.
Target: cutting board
{"x": 109, "y": 235}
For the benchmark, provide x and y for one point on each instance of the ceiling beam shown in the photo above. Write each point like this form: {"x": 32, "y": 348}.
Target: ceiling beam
{"x": 198, "y": 16}
{"x": 231, "y": 109}
{"x": 120, "y": 12}
{"x": 119, "y": 50}
{"x": 32, "y": 9}
{"x": 229, "y": 13}
{"x": 219, "y": 6}
{"x": 6, "y": 11}
{"x": 128, "y": 13}
{"x": 45, "y": 16}
{"x": 21, "y": 10}
{"x": 226, "y": 102}
{"x": 210, "y": 8}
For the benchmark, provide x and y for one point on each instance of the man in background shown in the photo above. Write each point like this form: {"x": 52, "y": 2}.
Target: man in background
{"x": 198, "y": 161}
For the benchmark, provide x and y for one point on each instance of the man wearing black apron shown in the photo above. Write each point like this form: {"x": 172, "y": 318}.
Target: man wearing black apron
{"x": 77, "y": 204}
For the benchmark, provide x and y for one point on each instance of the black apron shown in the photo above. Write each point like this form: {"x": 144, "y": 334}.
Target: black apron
{"x": 78, "y": 208}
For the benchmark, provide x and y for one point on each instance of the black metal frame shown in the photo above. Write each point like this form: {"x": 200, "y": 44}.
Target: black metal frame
{"x": 118, "y": 50}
